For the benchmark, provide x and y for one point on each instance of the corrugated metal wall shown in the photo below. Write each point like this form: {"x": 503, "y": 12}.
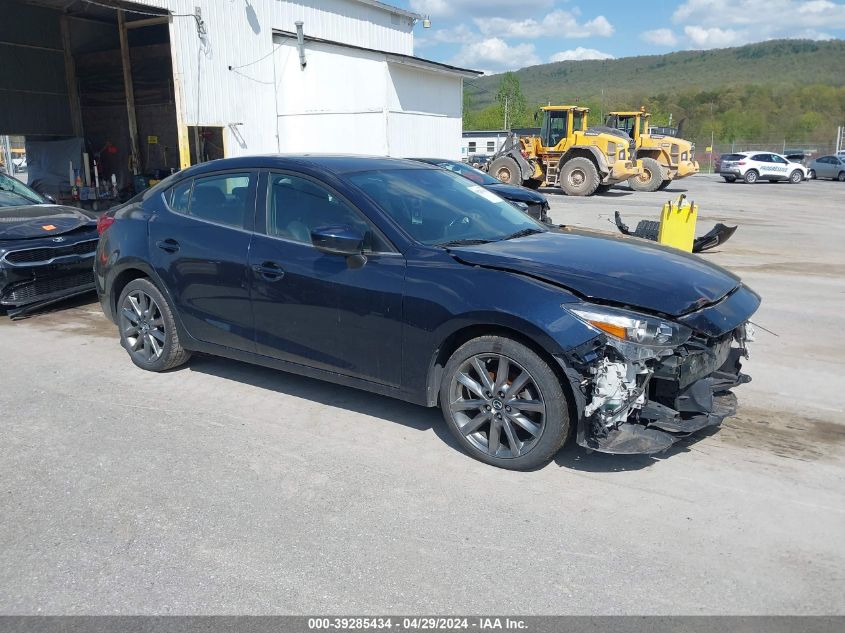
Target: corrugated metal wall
{"x": 344, "y": 101}
{"x": 33, "y": 88}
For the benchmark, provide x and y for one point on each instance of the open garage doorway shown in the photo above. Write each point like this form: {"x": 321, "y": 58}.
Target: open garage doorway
{"x": 98, "y": 73}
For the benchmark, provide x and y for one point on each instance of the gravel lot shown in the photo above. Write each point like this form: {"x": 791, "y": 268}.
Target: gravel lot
{"x": 223, "y": 488}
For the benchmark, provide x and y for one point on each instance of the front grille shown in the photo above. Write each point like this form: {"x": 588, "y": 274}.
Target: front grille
{"x": 46, "y": 253}
{"x": 30, "y": 291}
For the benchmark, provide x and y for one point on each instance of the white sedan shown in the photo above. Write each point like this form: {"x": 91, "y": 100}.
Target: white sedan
{"x": 753, "y": 166}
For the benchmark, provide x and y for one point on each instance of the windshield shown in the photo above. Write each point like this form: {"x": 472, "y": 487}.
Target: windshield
{"x": 438, "y": 208}
{"x": 468, "y": 172}
{"x": 13, "y": 193}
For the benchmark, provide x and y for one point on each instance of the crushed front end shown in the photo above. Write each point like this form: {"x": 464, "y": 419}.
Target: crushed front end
{"x": 650, "y": 380}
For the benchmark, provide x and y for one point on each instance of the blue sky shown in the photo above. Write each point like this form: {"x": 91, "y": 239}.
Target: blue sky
{"x": 499, "y": 35}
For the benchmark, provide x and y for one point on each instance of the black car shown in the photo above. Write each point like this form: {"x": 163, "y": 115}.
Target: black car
{"x": 46, "y": 250}
{"x": 410, "y": 281}
{"x": 528, "y": 200}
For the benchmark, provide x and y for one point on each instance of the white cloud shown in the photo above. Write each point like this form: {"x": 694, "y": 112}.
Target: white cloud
{"x": 714, "y": 37}
{"x": 777, "y": 17}
{"x": 441, "y": 8}
{"x": 660, "y": 37}
{"x": 558, "y": 23}
{"x": 495, "y": 54}
{"x": 579, "y": 53}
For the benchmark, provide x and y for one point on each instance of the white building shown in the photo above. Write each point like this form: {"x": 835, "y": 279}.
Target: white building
{"x": 217, "y": 78}
{"x": 482, "y": 142}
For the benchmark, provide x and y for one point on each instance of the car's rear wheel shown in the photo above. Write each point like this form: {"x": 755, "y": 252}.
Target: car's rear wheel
{"x": 841, "y": 176}
{"x": 504, "y": 403}
{"x": 796, "y": 176}
{"x": 751, "y": 176}
{"x": 148, "y": 329}
{"x": 811, "y": 175}
{"x": 729, "y": 178}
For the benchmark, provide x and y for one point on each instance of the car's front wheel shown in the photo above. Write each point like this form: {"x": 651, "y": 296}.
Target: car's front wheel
{"x": 841, "y": 176}
{"x": 751, "y": 176}
{"x": 147, "y": 327}
{"x": 504, "y": 403}
{"x": 811, "y": 175}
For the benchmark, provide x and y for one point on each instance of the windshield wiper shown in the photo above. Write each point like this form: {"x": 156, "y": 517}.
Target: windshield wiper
{"x": 521, "y": 233}
{"x": 464, "y": 242}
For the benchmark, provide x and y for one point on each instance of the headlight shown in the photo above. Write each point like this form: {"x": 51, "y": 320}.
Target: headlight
{"x": 519, "y": 205}
{"x": 622, "y": 153}
{"x": 611, "y": 149}
{"x": 636, "y": 336}
{"x": 684, "y": 156}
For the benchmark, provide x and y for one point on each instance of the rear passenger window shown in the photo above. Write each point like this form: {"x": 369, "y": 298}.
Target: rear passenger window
{"x": 179, "y": 196}
{"x": 222, "y": 199}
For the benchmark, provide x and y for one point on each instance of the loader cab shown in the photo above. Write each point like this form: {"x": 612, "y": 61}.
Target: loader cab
{"x": 633, "y": 124}
{"x": 559, "y": 122}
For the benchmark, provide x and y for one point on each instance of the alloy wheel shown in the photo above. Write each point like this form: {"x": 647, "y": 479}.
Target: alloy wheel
{"x": 496, "y": 405}
{"x": 142, "y": 326}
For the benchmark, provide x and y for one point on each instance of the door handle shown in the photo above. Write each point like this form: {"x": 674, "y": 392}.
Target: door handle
{"x": 168, "y": 245}
{"x": 269, "y": 271}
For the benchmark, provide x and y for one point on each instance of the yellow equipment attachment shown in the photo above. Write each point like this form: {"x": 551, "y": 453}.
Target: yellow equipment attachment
{"x": 677, "y": 224}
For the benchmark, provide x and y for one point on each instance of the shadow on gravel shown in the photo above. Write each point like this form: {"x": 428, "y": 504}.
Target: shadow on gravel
{"x": 382, "y": 407}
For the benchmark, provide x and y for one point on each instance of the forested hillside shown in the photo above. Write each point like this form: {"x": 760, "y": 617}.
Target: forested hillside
{"x": 787, "y": 89}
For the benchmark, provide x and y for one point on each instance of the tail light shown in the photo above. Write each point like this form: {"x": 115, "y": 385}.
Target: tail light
{"x": 104, "y": 222}
{"x": 742, "y": 162}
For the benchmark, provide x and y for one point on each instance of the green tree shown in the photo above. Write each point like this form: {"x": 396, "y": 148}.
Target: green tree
{"x": 510, "y": 98}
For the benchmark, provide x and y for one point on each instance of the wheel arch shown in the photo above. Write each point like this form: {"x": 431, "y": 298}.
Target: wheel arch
{"x": 586, "y": 151}
{"x": 523, "y": 333}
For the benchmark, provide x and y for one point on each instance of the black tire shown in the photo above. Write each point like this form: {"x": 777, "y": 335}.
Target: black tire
{"x": 506, "y": 170}
{"x": 796, "y": 176}
{"x": 811, "y": 175}
{"x": 579, "y": 177}
{"x": 729, "y": 178}
{"x": 841, "y": 176}
{"x": 651, "y": 178}
{"x": 664, "y": 184}
{"x": 603, "y": 188}
{"x": 172, "y": 353}
{"x": 551, "y": 427}
{"x": 751, "y": 176}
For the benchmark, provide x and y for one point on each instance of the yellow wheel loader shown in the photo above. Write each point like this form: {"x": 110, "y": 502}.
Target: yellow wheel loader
{"x": 565, "y": 154}
{"x": 664, "y": 157}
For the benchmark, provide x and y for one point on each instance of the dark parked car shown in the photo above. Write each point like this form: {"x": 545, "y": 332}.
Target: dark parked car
{"x": 46, "y": 250}
{"x": 410, "y": 281}
{"x": 528, "y": 200}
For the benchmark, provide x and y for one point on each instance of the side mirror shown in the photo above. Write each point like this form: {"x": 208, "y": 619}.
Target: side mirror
{"x": 338, "y": 240}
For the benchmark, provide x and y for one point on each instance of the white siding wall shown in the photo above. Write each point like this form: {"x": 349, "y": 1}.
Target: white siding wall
{"x": 344, "y": 101}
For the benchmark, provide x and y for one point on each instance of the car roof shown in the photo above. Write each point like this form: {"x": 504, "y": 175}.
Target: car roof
{"x": 333, "y": 163}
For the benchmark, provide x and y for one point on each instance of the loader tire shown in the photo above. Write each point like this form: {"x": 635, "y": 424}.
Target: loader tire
{"x": 506, "y": 170}
{"x": 650, "y": 179}
{"x": 579, "y": 177}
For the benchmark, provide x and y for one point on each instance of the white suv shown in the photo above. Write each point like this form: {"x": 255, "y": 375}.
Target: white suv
{"x": 754, "y": 166}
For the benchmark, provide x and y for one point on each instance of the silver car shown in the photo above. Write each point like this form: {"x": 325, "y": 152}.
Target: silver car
{"x": 832, "y": 167}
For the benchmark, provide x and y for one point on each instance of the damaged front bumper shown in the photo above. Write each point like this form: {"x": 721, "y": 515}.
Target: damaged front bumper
{"x": 643, "y": 405}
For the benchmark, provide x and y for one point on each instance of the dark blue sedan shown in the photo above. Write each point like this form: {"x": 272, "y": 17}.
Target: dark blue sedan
{"x": 410, "y": 281}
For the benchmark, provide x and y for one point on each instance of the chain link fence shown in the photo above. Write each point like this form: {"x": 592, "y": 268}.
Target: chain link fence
{"x": 810, "y": 149}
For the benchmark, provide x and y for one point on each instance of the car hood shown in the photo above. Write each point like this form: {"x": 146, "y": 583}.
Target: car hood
{"x": 602, "y": 267}
{"x": 41, "y": 220}
{"x": 519, "y": 194}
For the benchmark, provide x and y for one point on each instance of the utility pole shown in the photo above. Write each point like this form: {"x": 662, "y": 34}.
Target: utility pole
{"x": 711, "y": 151}
{"x": 506, "y": 113}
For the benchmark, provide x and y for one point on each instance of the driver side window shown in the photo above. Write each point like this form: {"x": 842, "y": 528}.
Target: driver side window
{"x": 296, "y": 206}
